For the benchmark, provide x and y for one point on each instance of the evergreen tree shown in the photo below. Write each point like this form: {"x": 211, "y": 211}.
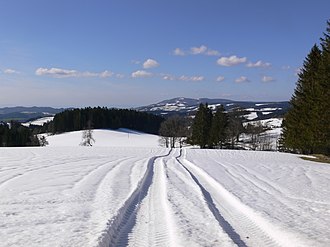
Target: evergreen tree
{"x": 325, "y": 91}
{"x": 218, "y": 127}
{"x": 306, "y": 127}
{"x": 201, "y": 127}
{"x": 301, "y": 125}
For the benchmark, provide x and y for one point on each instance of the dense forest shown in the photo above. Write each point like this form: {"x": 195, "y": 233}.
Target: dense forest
{"x": 16, "y": 135}
{"x": 306, "y": 126}
{"x": 103, "y": 118}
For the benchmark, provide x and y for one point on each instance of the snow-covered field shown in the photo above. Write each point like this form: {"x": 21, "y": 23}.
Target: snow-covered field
{"x": 144, "y": 195}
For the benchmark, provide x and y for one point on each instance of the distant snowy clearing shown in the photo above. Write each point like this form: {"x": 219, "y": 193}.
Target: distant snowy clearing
{"x": 152, "y": 196}
{"x": 39, "y": 122}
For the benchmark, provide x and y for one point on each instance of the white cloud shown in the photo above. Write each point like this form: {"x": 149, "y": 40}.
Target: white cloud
{"x": 150, "y": 63}
{"x": 168, "y": 77}
{"x": 231, "y": 61}
{"x": 258, "y": 64}
{"x": 178, "y": 52}
{"x": 120, "y": 76}
{"x": 220, "y": 78}
{"x": 141, "y": 73}
{"x": 198, "y": 50}
{"x": 64, "y": 73}
{"x": 267, "y": 79}
{"x": 106, "y": 74}
{"x": 203, "y": 50}
{"x": 210, "y": 52}
{"x": 56, "y": 72}
{"x": 10, "y": 71}
{"x": 191, "y": 78}
{"x": 242, "y": 79}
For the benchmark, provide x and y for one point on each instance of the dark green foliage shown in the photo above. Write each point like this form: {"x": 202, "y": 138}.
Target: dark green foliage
{"x": 201, "y": 127}
{"x": 218, "y": 127}
{"x": 16, "y": 135}
{"x": 104, "y": 118}
{"x": 306, "y": 127}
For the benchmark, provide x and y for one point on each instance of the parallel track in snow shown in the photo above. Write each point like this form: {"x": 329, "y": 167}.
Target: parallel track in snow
{"x": 150, "y": 216}
{"x": 121, "y": 225}
{"x": 244, "y": 226}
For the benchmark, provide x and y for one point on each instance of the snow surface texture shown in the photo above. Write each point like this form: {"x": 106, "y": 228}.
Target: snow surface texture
{"x": 151, "y": 196}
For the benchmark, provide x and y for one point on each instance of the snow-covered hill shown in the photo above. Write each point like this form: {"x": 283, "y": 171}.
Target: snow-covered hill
{"x": 129, "y": 192}
{"x": 105, "y": 138}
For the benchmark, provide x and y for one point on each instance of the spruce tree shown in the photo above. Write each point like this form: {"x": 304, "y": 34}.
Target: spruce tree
{"x": 201, "y": 127}
{"x": 306, "y": 127}
{"x": 218, "y": 128}
{"x": 325, "y": 91}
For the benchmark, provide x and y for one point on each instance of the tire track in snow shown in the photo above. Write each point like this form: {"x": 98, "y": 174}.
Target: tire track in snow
{"x": 121, "y": 225}
{"x": 154, "y": 223}
{"x": 255, "y": 230}
{"x": 224, "y": 224}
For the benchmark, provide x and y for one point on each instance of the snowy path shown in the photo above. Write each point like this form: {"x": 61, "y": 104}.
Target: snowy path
{"x": 104, "y": 197}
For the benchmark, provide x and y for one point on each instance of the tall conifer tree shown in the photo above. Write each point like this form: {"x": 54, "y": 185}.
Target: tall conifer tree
{"x": 306, "y": 126}
{"x": 201, "y": 126}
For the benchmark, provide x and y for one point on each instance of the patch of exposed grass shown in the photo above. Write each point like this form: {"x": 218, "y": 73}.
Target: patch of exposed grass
{"x": 318, "y": 158}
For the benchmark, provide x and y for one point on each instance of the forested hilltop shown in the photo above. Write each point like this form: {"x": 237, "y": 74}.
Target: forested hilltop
{"x": 103, "y": 118}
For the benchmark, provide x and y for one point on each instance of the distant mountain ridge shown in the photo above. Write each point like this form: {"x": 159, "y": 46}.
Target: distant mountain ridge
{"x": 188, "y": 106}
{"x": 176, "y": 106}
{"x": 23, "y": 114}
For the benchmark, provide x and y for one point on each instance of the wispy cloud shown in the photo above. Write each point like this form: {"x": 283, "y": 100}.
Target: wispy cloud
{"x": 150, "y": 63}
{"x": 141, "y": 74}
{"x": 168, "y": 77}
{"x": 10, "y": 71}
{"x": 178, "y": 52}
{"x": 65, "y": 73}
{"x": 220, "y": 78}
{"x": 242, "y": 79}
{"x": 267, "y": 79}
{"x": 195, "y": 50}
{"x": 203, "y": 50}
{"x": 258, "y": 64}
{"x": 191, "y": 78}
{"x": 231, "y": 61}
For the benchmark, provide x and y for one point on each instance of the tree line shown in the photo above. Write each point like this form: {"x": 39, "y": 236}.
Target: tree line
{"x": 208, "y": 129}
{"x": 16, "y": 135}
{"x": 306, "y": 126}
{"x": 103, "y": 118}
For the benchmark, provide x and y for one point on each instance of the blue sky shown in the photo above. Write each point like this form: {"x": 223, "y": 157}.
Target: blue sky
{"x": 129, "y": 53}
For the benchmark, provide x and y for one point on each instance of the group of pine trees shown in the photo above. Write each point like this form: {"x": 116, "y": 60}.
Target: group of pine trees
{"x": 215, "y": 130}
{"x": 16, "y": 135}
{"x": 103, "y": 118}
{"x": 306, "y": 127}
